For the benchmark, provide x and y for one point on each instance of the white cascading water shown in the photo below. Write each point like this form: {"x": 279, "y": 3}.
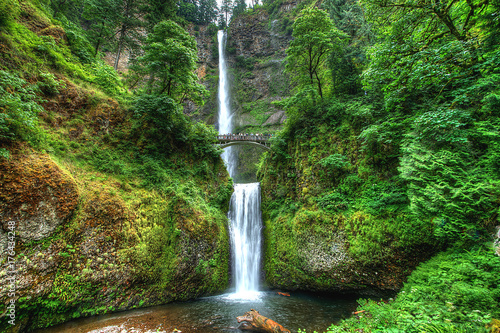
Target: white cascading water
{"x": 245, "y": 231}
{"x": 244, "y": 211}
{"x": 225, "y": 116}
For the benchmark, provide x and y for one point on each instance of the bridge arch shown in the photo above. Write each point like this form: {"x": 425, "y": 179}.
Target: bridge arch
{"x": 256, "y": 140}
{"x": 248, "y": 143}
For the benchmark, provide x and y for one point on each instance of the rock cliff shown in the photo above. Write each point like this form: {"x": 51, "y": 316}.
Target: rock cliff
{"x": 256, "y": 52}
{"x": 206, "y": 40}
{"x": 84, "y": 248}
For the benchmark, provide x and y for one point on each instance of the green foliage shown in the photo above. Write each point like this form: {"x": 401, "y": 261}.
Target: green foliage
{"x": 212, "y": 29}
{"x": 156, "y": 11}
{"x": 166, "y": 129}
{"x": 333, "y": 202}
{"x": 106, "y": 78}
{"x": 456, "y": 291}
{"x": 445, "y": 182}
{"x": 315, "y": 36}
{"x": 4, "y": 153}
{"x": 162, "y": 121}
{"x": 40, "y": 53}
{"x": 78, "y": 42}
{"x": 239, "y": 7}
{"x": 334, "y": 162}
{"x": 169, "y": 61}
{"x": 103, "y": 18}
{"x": 19, "y": 109}
{"x": 199, "y": 12}
{"x": 202, "y": 139}
{"x": 247, "y": 63}
{"x": 9, "y": 10}
{"x": 207, "y": 11}
{"x": 48, "y": 84}
{"x": 425, "y": 49}
{"x": 346, "y": 63}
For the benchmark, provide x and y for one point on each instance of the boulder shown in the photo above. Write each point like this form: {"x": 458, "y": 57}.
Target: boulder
{"x": 36, "y": 195}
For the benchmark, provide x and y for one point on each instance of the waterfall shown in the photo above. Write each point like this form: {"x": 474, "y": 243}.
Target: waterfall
{"x": 225, "y": 116}
{"x": 245, "y": 230}
{"x": 244, "y": 211}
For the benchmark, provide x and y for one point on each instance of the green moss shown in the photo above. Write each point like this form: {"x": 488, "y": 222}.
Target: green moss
{"x": 456, "y": 291}
{"x": 147, "y": 214}
{"x": 317, "y": 183}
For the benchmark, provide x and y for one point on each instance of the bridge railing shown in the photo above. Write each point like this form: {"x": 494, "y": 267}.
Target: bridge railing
{"x": 242, "y": 137}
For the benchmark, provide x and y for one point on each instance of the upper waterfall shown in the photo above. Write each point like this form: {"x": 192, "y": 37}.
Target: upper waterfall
{"x": 225, "y": 116}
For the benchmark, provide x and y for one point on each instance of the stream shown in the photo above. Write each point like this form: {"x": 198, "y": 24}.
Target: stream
{"x": 218, "y": 314}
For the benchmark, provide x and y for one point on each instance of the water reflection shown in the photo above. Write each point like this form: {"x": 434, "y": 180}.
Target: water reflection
{"x": 218, "y": 314}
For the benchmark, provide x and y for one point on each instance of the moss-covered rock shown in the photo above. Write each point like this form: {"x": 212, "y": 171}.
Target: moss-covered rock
{"x": 36, "y": 195}
{"x": 106, "y": 249}
{"x": 334, "y": 222}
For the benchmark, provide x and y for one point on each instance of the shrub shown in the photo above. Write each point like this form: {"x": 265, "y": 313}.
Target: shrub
{"x": 212, "y": 29}
{"x": 78, "y": 43}
{"x": 333, "y": 202}
{"x": 9, "y": 10}
{"x": 105, "y": 77}
{"x": 48, "y": 84}
{"x": 19, "y": 109}
{"x": 445, "y": 182}
{"x": 456, "y": 291}
{"x": 383, "y": 197}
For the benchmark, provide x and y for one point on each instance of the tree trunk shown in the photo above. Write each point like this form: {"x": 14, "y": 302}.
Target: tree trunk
{"x": 99, "y": 40}
{"x": 319, "y": 85}
{"x": 117, "y": 60}
{"x": 253, "y": 321}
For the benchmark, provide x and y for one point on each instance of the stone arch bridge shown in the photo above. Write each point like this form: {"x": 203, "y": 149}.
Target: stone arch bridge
{"x": 227, "y": 140}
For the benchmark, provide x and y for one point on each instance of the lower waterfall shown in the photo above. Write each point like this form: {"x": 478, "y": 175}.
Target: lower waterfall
{"x": 245, "y": 232}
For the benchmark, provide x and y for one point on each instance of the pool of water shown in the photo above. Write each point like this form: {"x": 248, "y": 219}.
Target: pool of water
{"x": 218, "y": 314}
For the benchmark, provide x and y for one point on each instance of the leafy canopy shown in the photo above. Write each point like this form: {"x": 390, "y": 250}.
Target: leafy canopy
{"x": 315, "y": 37}
{"x": 169, "y": 61}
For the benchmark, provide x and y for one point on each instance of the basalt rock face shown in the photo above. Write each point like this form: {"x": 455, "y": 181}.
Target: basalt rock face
{"x": 256, "y": 35}
{"x": 81, "y": 249}
{"x": 313, "y": 242}
{"x": 256, "y": 52}
{"x": 320, "y": 261}
{"x": 206, "y": 40}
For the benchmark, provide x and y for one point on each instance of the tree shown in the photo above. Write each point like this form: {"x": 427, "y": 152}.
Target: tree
{"x": 315, "y": 37}
{"x": 199, "y": 12}
{"x": 188, "y": 10}
{"x": 425, "y": 50}
{"x": 239, "y": 7}
{"x": 222, "y": 21}
{"x": 128, "y": 33}
{"x": 103, "y": 18}
{"x": 347, "y": 63}
{"x": 207, "y": 11}
{"x": 169, "y": 62}
{"x": 72, "y": 9}
{"x": 227, "y": 8}
{"x": 156, "y": 11}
